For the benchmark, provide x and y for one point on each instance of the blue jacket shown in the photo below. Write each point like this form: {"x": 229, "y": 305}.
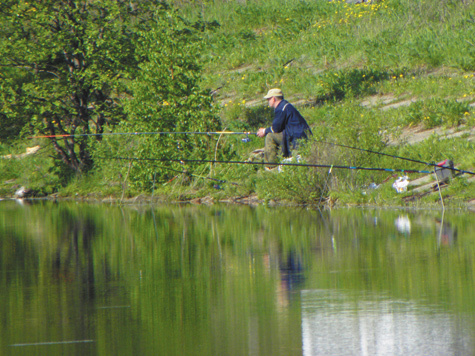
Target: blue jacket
{"x": 288, "y": 120}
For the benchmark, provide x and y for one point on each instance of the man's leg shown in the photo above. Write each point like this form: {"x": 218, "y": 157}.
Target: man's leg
{"x": 273, "y": 142}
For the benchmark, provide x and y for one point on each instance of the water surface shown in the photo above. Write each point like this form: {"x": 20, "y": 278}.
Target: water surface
{"x": 81, "y": 279}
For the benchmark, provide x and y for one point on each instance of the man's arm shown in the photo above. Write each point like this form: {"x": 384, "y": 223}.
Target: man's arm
{"x": 278, "y": 125}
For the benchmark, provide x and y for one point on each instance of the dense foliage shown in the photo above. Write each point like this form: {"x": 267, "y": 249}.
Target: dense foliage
{"x": 69, "y": 67}
{"x": 166, "y": 97}
{"x": 66, "y": 61}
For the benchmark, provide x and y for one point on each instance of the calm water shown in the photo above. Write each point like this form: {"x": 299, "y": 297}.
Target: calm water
{"x": 78, "y": 279}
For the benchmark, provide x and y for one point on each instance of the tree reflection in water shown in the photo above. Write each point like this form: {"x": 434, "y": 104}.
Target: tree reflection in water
{"x": 73, "y": 259}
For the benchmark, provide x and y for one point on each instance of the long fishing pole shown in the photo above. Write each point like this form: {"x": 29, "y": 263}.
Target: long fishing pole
{"x": 266, "y": 163}
{"x": 246, "y": 139}
{"x": 398, "y": 157}
{"x": 149, "y": 133}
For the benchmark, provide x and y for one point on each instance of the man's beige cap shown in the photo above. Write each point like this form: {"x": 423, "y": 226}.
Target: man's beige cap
{"x": 274, "y": 92}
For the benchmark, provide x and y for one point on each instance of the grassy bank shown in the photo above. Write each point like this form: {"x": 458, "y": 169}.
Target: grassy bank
{"x": 377, "y": 76}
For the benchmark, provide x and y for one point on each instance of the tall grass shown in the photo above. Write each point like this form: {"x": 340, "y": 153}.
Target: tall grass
{"x": 319, "y": 35}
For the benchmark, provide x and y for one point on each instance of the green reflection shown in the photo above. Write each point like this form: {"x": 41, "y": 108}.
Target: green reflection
{"x": 220, "y": 280}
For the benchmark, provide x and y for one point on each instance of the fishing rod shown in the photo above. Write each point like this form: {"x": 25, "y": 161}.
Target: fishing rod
{"x": 209, "y": 133}
{"x": 398, "y": 157}
{"x": 266, "y": 163}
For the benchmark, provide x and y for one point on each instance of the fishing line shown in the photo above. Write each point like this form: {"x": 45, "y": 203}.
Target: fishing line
{"x": 394, "y": 156}
{"x": 325, "y": 186}
{"x": 266, "y": 163}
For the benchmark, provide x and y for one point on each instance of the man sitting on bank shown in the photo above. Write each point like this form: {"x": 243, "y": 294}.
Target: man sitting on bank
{"x": 287, "y": 128}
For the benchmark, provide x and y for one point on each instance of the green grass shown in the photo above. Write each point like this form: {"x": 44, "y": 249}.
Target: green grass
{"x": 333, "y": 57}
{"x": 361, "y": 74}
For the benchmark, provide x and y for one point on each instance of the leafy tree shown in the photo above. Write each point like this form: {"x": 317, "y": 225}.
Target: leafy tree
{"x": 167, "y": 97}
{"x": 13, "y": 116}
{"x": 63, "y": 67}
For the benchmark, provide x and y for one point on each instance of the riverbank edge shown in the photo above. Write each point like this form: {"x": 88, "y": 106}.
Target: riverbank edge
{"x": 251, "y": 200}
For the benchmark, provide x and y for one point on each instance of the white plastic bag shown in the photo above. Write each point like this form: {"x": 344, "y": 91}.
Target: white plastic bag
{"x": 401, "y": 184}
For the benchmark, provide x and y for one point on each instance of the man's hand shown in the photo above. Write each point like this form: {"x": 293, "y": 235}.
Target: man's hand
{"x": 261, "y": 132}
